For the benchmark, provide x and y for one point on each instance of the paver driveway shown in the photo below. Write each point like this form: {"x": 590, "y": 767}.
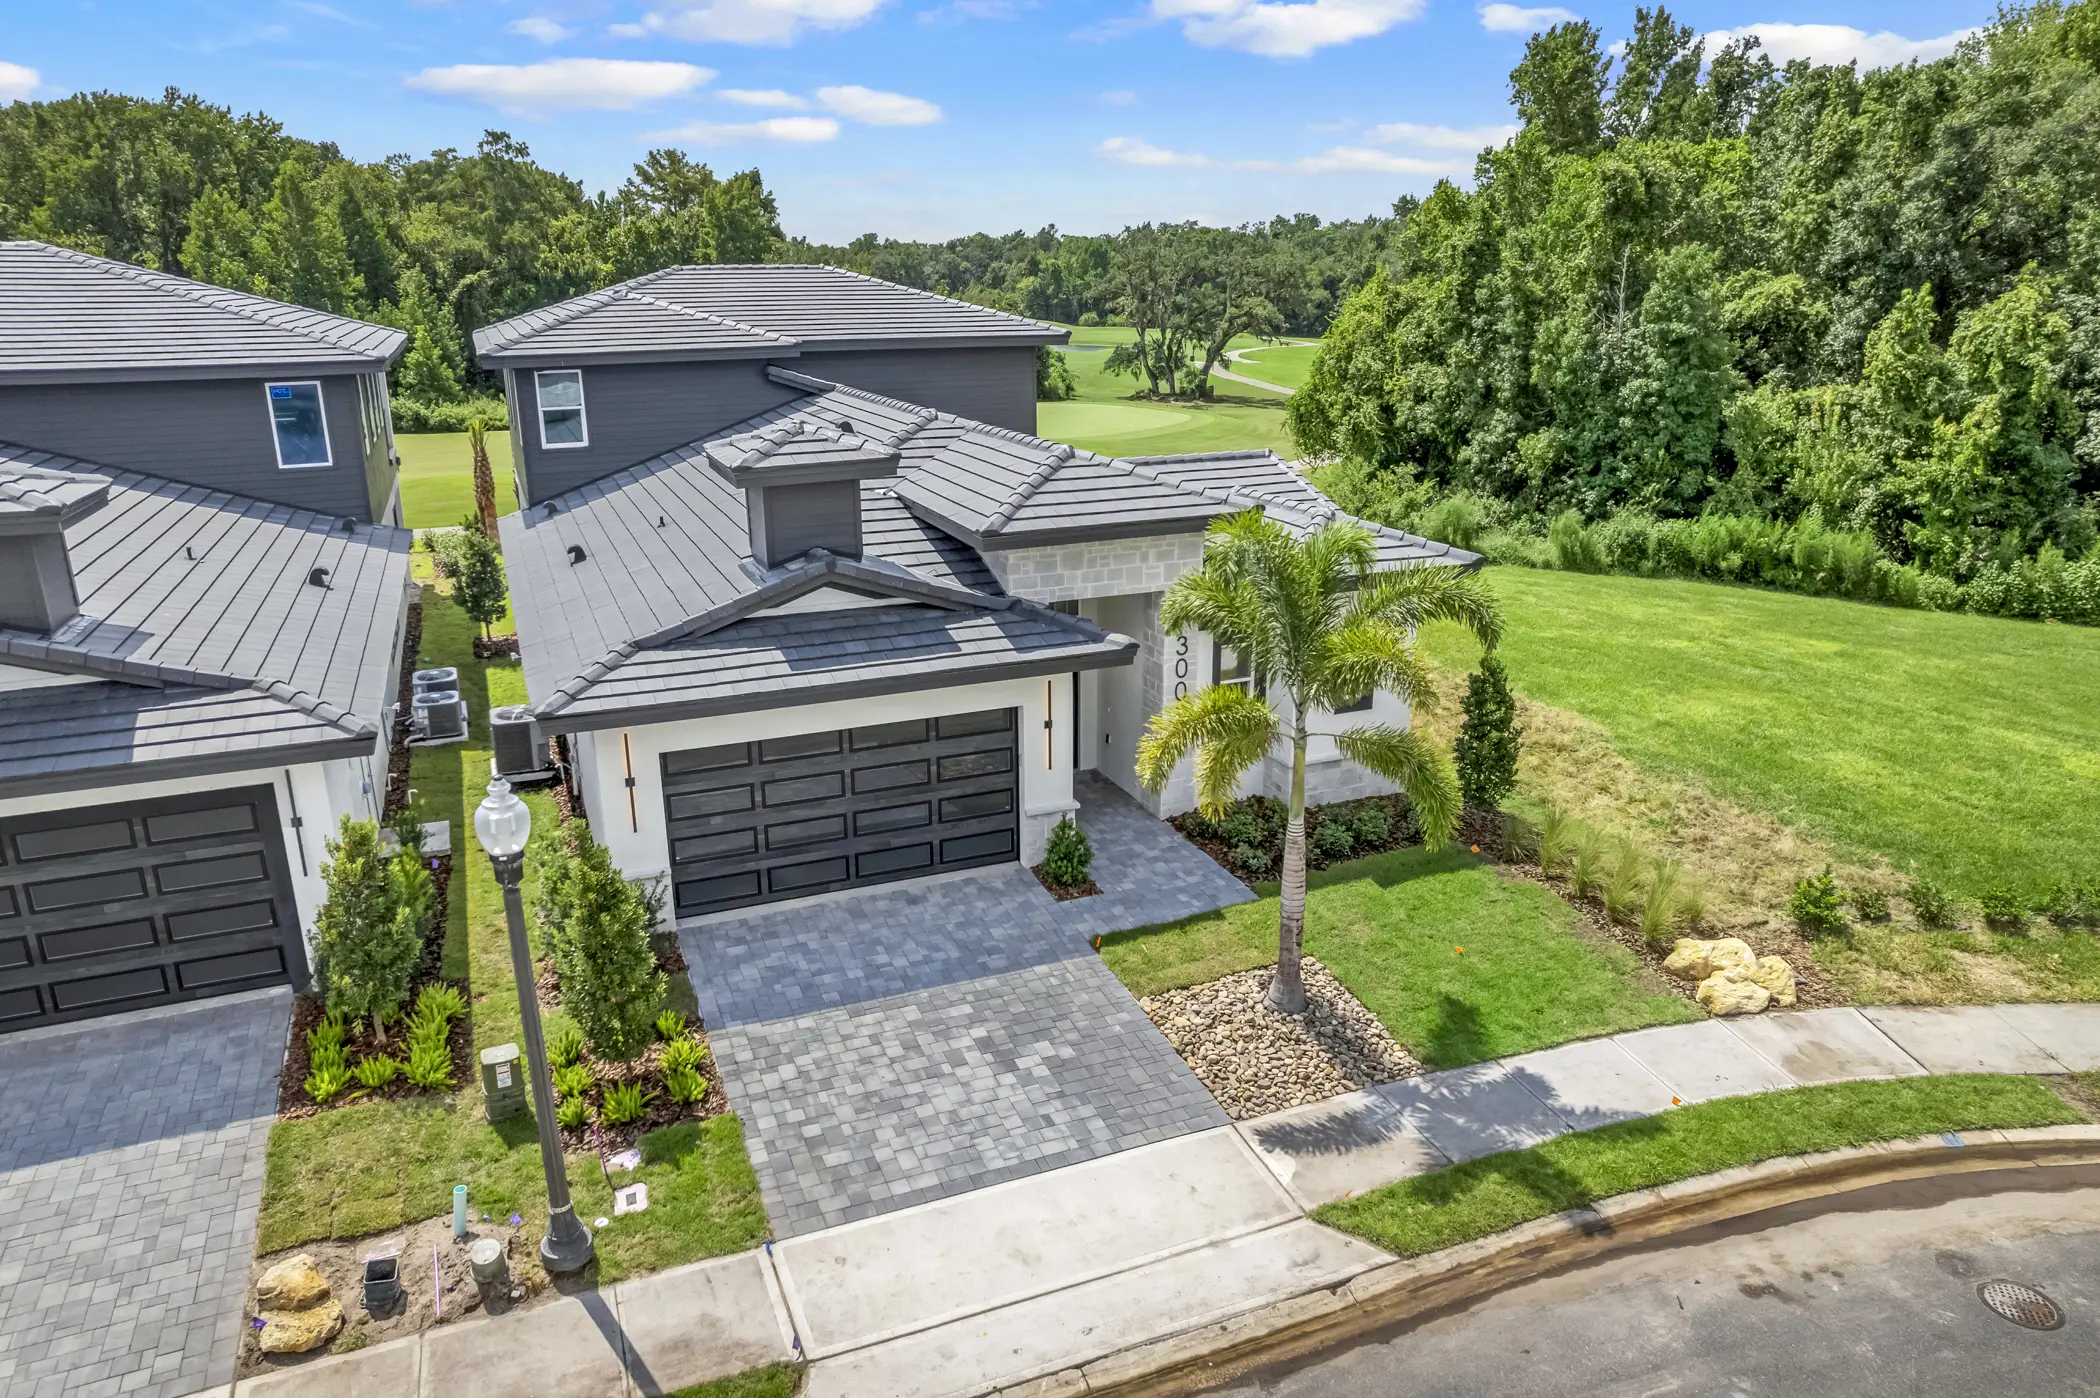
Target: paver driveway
{"x": 131, "y": 1169}
{"x": 899, "y": 1045}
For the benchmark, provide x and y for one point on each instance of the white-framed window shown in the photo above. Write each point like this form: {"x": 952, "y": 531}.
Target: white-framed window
{"x": 300, "y": 424}
{"x": 1234, "y": 667}
{"x": 1359, "y": 706}
{"x": 560, "y": 392}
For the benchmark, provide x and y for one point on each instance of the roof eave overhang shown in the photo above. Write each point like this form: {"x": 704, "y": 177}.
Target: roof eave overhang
{"x": 165, "y": 372}
{"x": 117, "y": 774}
{"x": 1104, "y": 656}
{"x": 525, "y": 357}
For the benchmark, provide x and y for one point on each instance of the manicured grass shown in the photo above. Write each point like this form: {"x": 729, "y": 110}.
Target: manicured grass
{"x": 1967, "y": 748}
{"x": 1458, "y": 962}
{"x": 1287, "y": 365}
{"x": 375, "y": 1166}
{"x": 1495, "y": 1192}
{"x": 773, "y": 1381}
{"x": 1105, "y": 417}
{"x": 437, "y": 477}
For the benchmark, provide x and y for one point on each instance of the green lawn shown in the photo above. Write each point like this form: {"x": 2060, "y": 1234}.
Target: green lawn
{"x": 1459, "y": 963}
{"x": 1965, "y": 747}
{"x": 375, "y": 1166}
{"x": 1105, "y": 418}
{"x": 1284, "y": 364}
{"x": 1496, "y": 1192}
{"x": 437, "y": 477}
{"x": 773, "y": 1381}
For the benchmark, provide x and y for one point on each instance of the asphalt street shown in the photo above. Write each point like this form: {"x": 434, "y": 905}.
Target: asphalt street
{"x": 1880, "y": 1297}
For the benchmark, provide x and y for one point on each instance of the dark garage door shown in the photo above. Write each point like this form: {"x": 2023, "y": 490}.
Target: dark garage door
{"x": 787, "y": 817}
{"x": 113, "y": 908}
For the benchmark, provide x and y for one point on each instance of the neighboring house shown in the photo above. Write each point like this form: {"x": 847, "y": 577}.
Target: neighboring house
{"x": 850, "y": 638}
{"x": 198, "y": 645}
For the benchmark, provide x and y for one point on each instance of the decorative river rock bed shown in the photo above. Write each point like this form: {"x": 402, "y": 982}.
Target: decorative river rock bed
{"x": 1256, "y": 1061}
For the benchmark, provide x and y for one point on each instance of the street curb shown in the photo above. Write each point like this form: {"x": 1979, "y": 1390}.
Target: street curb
{"x": 1406, "y": 1288}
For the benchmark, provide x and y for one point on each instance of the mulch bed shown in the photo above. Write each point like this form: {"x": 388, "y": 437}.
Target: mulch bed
{"x": 307, "y": 1011}
{"x": 1064, "y": 892}
{"x": 1193, "y": 827}
{"x": 495, "y": 647}
{"x": 397, "y": 756}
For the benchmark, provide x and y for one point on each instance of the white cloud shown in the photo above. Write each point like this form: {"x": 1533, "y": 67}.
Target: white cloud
{"x": 1516, "y": 19}
{"x": 542, "y": 29}
{"x": 1466, "y": 138}
{"x": 773, "y": 130}
{"x": 1278, "y": 30}
{"x": 16, "y": 82}
{"x": 764, "y": 97}
{"x": 566, "y": 84}
{"x": 751, "y": 21}
{"x": 865, "y": 104}
{"x": 1132, "y": 150}
{"x": 1121, "y": 97}
{"x": 1839, "y": 43}
{"x": 1359, "y": 159}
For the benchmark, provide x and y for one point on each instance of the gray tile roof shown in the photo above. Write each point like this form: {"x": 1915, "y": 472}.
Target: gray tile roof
{"x": 70, "y": 316}
{"x": 214, "y": 644}
{"x": 29, "y": 492}
{"x": 747, "y": 311}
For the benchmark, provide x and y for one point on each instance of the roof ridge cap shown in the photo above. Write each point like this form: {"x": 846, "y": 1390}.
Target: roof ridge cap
{"x": 262, "y": 310}
{"x": 1053, "y": 461}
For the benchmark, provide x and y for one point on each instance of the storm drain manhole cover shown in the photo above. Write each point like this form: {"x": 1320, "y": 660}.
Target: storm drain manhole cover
{"x": 2022, "y": 1305}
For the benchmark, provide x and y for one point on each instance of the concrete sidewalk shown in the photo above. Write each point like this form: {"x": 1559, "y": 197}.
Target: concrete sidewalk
{"x": 1030, "y": 1281}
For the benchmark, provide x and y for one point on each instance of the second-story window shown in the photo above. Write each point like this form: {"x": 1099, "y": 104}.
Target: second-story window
{"x": 300, "y": 425}
{"x": 561, "y": 408}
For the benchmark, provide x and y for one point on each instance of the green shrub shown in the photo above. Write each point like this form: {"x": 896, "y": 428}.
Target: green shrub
{"x": 599, "y": 924}
{"x": 1255, "y": 861}
{"x": 439, "y": 1003}
{"x": 329, "y": 1033}
{"x": 670, "y": 1026}
{"x": 1488, "y": 740}
{"x": 573, "y": 1112}
{"x": 1371, "y": 823}
{"x": 328, "y": 1056}
{"x": 685, "y": 1085}
{"x": 1817, "y": 908}
{"x": 1332, "y": 839}
{"x": 1587, "y": 872}
{"x": 1661, "y": 912}
{"x": 573, "y": 1080}
{"x": 1069, "y": 860}
{"x": 430, "y": 1065}
{"x": 2004, "y": 910}
{"x": 369, "y": 934}
{"x": 1622, "y": 889}
{"x": 1575, "y": 548}
{"x": 475, "y": 566}
{"x": 682, "y": 1053}
{"x": 1559, "y": 833}
{"x": 565, "y": 1047}
{"x": 623, "y": 1103}
{"x": 1868, "y": 904}
{"x": 327, "y": 1081}
{"x": 1930, "y": 903}
{"x": 1458, "y": 520}
{"x": 376, "y": 1071}
{"x": 2071, "y": 905}
{"x": 413, "y": 415}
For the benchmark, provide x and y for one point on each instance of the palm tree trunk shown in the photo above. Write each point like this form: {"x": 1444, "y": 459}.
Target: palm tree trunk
{"x": 1287, "y": 988}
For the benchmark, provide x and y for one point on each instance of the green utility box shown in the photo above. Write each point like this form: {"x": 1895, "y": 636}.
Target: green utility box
{"x": 502, "y": 1081}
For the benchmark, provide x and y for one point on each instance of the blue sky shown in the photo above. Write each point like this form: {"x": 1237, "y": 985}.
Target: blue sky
{"x": 907, "y": 117}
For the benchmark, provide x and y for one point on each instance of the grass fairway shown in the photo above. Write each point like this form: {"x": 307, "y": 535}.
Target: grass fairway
{"x": 437, "y": 477}
{"x": 1966, "y": 748}
{"x": 1495, "y": 1192}
{"x": 1458, "y": 962}
{"x": 1105, "y": 418}
{"x": 1287, "y": 365}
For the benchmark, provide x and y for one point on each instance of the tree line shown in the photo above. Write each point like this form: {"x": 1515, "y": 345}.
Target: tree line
{"x": 1701, "y": 284}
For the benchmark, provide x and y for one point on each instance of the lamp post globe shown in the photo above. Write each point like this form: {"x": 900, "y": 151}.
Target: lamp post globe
{"x": 503, "y": 825}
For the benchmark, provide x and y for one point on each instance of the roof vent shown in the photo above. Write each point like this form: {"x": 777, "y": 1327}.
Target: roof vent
{"x": 318, "y": 577}
{"x": 551, "y": 511}
{"x": 37, "y": 591}
{"x": 575, "y": 554}
{"x": 349, "y": 525}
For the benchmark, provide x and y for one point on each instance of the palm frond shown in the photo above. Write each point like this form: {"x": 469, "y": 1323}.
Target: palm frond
{"x": 1418, "y": 766}
{"x": 1366, "y": 653}
{"x": 1228, "y": 729}
{"x": 1412, "y": 597}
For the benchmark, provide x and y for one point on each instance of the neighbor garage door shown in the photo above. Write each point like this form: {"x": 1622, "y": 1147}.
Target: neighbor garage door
{"x": 111, "y": 908}
{"x": 787, "y": 817}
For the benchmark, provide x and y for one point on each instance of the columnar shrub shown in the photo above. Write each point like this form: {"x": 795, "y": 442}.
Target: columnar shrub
{"x": 1069, "y": 860}
{"x": 369, "y": 931}
{"x": 599, "y": 926}
{"x": 1488, "y": 740}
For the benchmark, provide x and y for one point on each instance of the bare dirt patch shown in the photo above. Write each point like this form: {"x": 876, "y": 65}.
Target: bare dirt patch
{"x": 1256, "y": 1061}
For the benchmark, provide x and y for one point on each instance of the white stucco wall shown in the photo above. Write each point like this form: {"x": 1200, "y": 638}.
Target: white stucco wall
{"x": 634, "y": 832}
{"x": 1116, "y": 568}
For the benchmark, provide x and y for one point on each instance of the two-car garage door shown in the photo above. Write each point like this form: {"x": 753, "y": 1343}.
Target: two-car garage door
{"x": 112, "y": 908}
{"x": 787, "y": 817}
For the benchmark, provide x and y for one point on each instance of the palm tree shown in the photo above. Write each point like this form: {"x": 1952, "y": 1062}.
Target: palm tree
{"x": 1323, "y": 630}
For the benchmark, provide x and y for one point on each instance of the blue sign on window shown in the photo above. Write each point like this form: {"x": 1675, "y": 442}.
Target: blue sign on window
{"x": 280, "y": 390}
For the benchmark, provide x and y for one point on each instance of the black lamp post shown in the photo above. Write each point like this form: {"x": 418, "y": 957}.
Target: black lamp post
{"x": 503, "y": 823}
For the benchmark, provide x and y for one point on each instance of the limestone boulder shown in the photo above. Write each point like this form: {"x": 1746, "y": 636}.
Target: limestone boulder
{"x": 1694, "y": 959}
{"x": 294, "y": 1284}
{"x": 1732, "y": 992}
{"x": 296, "y": 1332}
{"x": 1776, "y": 976}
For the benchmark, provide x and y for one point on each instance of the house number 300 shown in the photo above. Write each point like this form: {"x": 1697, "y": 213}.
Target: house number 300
{"x": 1181, "y": 666}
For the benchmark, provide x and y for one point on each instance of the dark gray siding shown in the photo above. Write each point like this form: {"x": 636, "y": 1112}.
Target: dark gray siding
{"x": 208, "y": 432}
{"x": 790, "y": 520}
{"x": 635, "y": 411}
{"x": 991, "y": 385}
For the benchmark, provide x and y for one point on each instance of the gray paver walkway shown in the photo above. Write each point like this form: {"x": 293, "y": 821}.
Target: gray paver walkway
{"x": 131, "y": 1167}
{"x": 903, "y": 1044}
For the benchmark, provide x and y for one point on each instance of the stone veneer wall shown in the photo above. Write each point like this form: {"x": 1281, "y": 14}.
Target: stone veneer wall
{"x": 1114, "y": 568}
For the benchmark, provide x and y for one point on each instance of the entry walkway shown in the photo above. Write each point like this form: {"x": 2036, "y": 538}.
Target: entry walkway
{"x": 131, "y": 1169}
{"x": 898, "y": 1045}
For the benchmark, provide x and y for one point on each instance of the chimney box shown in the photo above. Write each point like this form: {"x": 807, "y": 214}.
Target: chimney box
{"x": 37, "y": 591}
{"x": 801, "y": 482}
